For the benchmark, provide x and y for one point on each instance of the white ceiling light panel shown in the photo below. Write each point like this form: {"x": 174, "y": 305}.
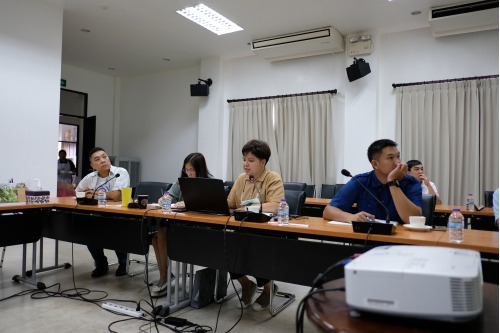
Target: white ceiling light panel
{"x": 209, "y": 19}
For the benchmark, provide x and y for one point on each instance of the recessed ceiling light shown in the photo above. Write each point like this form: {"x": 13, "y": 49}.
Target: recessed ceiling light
{"x": 111, "y": 68}
{"x": 209, "y": 19}
{"x": 166, "y": 59}
{"x": 417, "y": 12}
{"x": 85, "y": 30}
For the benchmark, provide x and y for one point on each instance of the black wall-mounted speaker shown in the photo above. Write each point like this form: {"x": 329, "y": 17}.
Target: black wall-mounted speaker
{"x": 199, "y": 90}
{"x": 358, "y": 70}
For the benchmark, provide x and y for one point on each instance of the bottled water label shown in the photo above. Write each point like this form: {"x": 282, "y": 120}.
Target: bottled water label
{"x": 456, "y": 228}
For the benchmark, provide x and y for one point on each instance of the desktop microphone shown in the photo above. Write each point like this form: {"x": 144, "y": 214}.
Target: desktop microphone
{"x": 252, "y": 179}
{"x": 91, "y": 201}
{"x": 348, "y": 174}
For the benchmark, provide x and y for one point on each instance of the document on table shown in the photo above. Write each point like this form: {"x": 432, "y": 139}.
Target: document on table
{"x": 349, "y": 223}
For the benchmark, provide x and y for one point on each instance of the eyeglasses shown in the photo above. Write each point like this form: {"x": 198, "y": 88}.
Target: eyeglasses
{"x": 189, "y": 171}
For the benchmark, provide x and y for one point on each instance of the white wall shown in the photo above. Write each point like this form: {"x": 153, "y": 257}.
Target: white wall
{"x": 101, "y": 90}
{"x": 254, "y": 77}
{"x": 159, "y": 121}
{"x": 415, "y": 55}
{"x": 30, "y": 67}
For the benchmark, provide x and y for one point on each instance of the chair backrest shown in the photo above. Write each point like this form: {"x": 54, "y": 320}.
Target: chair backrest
{"x": 294, "y": 186}
{"x": 310, "y": 191}
{"x": 428, "y": 206}
{"x": 153, "y": 189}
{"x": 488, "y": 198}
{"x": 328, "y": 191}
{"x": 295, "y": 201}
{"x": 227, "y": 189}
{"x": 338, "y": 187}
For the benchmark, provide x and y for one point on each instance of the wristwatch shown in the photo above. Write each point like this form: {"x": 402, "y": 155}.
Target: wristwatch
{"x": 394, "y": 182}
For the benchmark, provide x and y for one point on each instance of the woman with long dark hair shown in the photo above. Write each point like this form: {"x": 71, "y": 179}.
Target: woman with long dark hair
{"x": 194, "y": 166}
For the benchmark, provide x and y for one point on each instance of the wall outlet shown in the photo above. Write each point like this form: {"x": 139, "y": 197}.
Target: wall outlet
{"x": 122, "y": 309}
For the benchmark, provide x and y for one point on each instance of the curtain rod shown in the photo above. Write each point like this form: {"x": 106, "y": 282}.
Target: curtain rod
{"x": 395, "y": 85}
{"x": 334, "y": 91}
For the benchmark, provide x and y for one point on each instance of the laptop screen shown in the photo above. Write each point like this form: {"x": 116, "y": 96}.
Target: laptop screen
{"x": 204, "y": 195}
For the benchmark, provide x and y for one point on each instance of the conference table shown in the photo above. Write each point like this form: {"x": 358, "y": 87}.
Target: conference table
{"x": 295, "y": 253}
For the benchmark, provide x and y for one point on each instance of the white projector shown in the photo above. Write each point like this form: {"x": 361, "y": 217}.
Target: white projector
{"x": 437, "y": 283}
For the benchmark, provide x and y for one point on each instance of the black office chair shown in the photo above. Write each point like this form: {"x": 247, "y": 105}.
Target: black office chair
{"x": 295, "y": 201}
{"x": 227, "y": 189}
{"x": 428, "y": 206}
{"x": 328, "y": 191}
{"x": 294, "y": 186}
{"x": 488, "y": 198}
{"x": 228, "y": 185}
{"x": 338, "y": 187}
{"x": 153, "y": 189}
{"x": 310, "y": 191}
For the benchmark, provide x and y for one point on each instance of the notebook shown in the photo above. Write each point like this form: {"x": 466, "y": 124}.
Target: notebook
{"x": 204, "y": 195}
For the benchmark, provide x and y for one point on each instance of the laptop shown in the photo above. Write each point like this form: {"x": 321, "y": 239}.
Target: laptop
{"x": 204, "y": 195}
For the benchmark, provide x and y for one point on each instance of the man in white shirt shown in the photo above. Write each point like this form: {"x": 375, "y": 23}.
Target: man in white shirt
{"x": 103, "y": 177}
{"x": 416, "y": 169}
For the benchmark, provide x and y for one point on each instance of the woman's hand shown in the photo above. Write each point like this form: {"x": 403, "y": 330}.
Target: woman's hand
{"x": 180, "y": 204}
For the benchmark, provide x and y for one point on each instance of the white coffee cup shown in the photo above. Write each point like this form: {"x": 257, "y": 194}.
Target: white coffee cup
{"x": 254, "y": 209}
{"x": 417, "y": 221}
{"x": 80, "y": 194}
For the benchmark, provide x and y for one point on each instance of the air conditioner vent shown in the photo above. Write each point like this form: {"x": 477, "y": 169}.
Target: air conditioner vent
{"x": 464, "y": 8}
{"x": 299, "y": 44}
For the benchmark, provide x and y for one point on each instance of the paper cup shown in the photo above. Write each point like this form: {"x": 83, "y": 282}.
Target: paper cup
{"x": 126, "y": 196}
{"x": 417, "y": 221}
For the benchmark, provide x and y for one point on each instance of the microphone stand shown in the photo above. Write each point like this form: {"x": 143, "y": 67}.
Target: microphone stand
{"x": 348, "y": 174}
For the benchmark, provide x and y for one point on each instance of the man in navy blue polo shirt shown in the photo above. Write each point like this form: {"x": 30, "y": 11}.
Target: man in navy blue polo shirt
{"x": 389, "y": 182}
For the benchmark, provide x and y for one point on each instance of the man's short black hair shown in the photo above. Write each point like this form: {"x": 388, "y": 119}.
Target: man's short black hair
{"x": 412, "y": 163}
{"x": 62, "y": 151}
{"x": 93, "y": 150}
{"x": 259, "y": 149}
{"x": 376, "y": 148}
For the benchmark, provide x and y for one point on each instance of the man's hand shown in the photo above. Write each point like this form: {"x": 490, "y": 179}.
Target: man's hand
{"x": 180, "y": 204}
{"x": 398, "y": 173}
{"x": 362, "y": 217}
{"x": 425, "y": 179}
{"x": 89, "y": 193}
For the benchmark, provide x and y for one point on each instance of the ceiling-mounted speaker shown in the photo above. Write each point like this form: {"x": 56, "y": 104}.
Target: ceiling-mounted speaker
{"x": 199, "y": 90}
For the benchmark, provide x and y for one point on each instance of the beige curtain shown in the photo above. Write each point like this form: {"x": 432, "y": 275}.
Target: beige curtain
{"x": 304, "y": 138}
{"x": 250, "y": 120}
{"x": 488, "y": 135}
{"x": 439, "y": 124}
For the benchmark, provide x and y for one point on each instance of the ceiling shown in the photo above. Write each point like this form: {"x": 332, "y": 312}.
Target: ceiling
{"x": 134, "y": 36}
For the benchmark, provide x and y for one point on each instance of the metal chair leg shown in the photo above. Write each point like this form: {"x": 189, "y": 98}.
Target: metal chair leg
{"x": 3, "y": 256}
{"x": 291, "y": 299}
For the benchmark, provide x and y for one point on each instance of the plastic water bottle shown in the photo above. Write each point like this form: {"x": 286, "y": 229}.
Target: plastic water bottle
{"x": 101, "y": 197}
{"x": 166, "y": 203}
{"x": 456, "y": 226}
{"x": 283, "y": 213}
{"x": 469, "y": 206}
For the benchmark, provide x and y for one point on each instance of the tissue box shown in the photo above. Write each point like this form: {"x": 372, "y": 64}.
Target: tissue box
{"x": 35, "y": 197}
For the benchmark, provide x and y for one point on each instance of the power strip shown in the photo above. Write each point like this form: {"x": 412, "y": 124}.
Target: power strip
{"x": 122, "y": 309}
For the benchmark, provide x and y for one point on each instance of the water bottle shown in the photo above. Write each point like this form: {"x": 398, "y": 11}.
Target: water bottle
{"x": 283, "y": 215}
{"x": 456, "y": 226}
{"x": 469, "y": 206}
{"x": 101, "y": 197}
{"x": 166, "y": 203}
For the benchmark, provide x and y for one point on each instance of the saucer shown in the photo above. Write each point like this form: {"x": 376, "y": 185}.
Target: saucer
{"x": 424, "y": 228}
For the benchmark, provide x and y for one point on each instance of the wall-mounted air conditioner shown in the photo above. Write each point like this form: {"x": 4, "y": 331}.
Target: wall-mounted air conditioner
{"x": 131, "y": 164}
{"x": 464, "y": 17}
{"x": 299, "y": 44}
